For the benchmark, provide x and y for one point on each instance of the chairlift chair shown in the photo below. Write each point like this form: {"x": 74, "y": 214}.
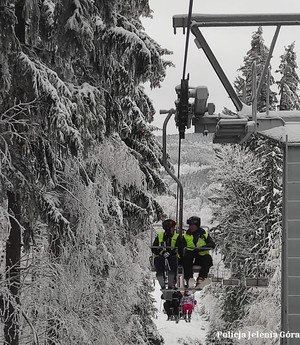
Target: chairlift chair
{"x": 167, "y": 293}
{"x": 216, "y": 278}
{"x": 232, "y": 281}
{"x": 258, "y": 281}
{"x": 196, "y": 268}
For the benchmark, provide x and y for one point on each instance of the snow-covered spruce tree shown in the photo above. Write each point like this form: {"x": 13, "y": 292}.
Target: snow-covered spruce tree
{"x": 247, "y": 206}
{"x": 78, "y": 163}
{"x": 243, "y": 84}
{"x": 263, "y": 314}
{"x": 288, "y": 84}
{"x": 234, "y": 210}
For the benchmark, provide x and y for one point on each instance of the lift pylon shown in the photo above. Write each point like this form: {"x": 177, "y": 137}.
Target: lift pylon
{"x": 282, "y": 127}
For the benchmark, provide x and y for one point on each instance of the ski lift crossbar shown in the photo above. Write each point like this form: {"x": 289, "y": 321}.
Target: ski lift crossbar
{"x": 221, "y": 20}
{"x": 201, "y": 249}
{"x": 163, "y": 247}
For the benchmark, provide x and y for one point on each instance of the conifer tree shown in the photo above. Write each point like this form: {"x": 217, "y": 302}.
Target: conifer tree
{"x": 79, "y": 166}
{"x": 288, "y": 84}
{"x": 243, "y": 83}
{"x": 247, "y": 207}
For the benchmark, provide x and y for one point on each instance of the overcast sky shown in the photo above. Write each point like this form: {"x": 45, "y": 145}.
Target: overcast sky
{"x": 229, "y": 45}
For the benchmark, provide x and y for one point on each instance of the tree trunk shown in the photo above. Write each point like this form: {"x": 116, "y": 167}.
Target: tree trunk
{"x": 53, "y": 324}
{"x": 20, "y": 26}
{"x": 13, "y": 255}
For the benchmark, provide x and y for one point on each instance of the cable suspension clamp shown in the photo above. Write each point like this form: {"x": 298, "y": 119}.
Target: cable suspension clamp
{"x": 182, "y": 107}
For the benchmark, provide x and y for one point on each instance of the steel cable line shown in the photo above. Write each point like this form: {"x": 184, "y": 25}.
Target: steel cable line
{"x": 187, "y": 38}
{"x": 183, "y": 78}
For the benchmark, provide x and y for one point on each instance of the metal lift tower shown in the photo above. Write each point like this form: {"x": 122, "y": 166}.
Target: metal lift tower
{"x": 281, "y": 126}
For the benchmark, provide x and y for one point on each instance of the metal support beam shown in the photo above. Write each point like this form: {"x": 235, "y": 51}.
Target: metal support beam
{"x": 284, "y": 279}
{"x": 264, "y": 122}
{"x": 217, "y": 20}
{"x": 216, "y": 66}
{"x": 250, "y": 129}
{"x": 291, "y": 242}
{"x": 254, "y": 91}
{"x": 165, "y": 164}
{"x": 266, "y": 67}
{"x": 268, "y": 91}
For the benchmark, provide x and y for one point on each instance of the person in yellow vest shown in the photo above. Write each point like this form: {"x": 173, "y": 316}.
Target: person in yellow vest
{"x": 195, "y": 238}
{"x": 165, "y": 249}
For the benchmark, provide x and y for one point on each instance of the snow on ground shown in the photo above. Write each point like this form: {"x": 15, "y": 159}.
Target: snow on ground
{"x": 170, "y": 331}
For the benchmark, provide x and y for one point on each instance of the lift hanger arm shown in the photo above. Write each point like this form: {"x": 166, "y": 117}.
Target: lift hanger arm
{"x": 168, "y": 170}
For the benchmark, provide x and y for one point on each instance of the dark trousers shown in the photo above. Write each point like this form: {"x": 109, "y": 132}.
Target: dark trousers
{"x": 168, "y": 305}
{"x": 160, "y": 263}
{"x": 205, "y": 261}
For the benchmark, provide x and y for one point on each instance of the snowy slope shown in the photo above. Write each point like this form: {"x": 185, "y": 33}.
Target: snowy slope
{"x": 171, "y": 331}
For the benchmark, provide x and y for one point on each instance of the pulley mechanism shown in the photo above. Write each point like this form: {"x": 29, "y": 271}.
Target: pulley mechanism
{"x": 186, "y": 110}
{"x": 182, "y": 107}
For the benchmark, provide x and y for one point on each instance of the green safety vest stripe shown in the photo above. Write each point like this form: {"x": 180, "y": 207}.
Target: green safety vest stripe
{"x": 200, "y": 243}
{"x": 173, "y": 241}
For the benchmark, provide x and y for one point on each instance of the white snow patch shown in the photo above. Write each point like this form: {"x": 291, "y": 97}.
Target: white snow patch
{"x": 290, "y": 130}
{"x": 281, "y": 113}
{"x": 117, "y": 162}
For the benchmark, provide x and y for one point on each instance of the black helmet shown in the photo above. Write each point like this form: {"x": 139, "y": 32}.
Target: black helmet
{"x": 168, "y": 224}
{"x": 194, "y": 220}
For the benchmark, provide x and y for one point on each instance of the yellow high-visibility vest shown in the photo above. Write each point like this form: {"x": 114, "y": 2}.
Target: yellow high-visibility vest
{"x": 161, "y": 238}
{"x": 201, "y": 243}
